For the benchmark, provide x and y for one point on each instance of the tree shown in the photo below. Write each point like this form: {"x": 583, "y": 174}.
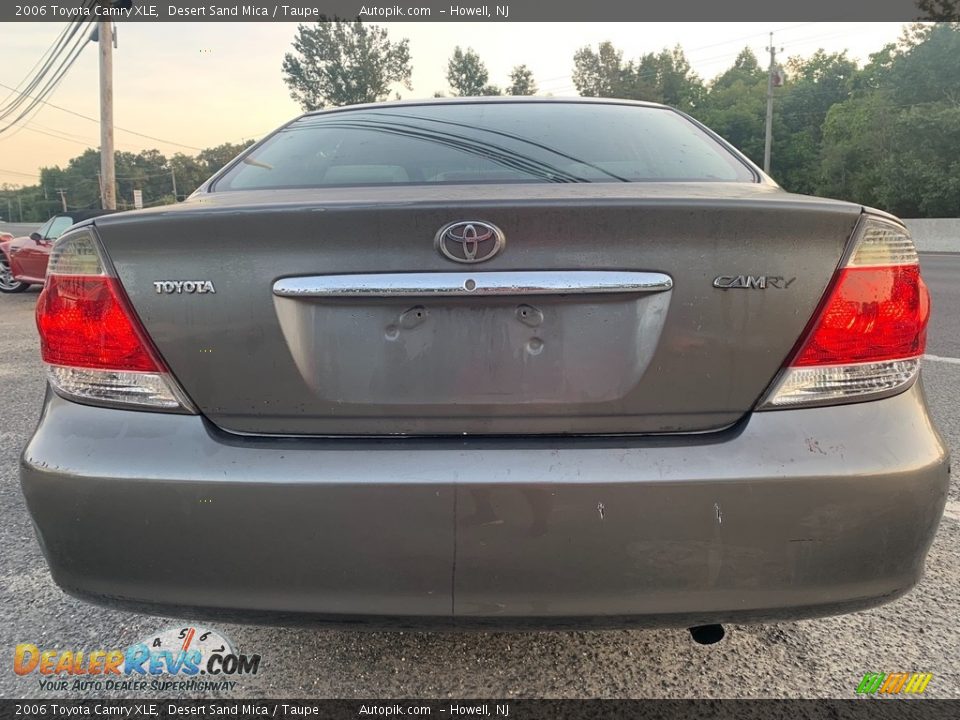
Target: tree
{"x": 939, "y": 10}
{"x": 521, "y": 81}
{"x": 664, "y": 77}
{"x": 745, "y": 70}
{"x": 79, "y": 178}
{"x": 467, "y": 74}
{"x": 857, "y": 135}
{"x": 735, "y": 106}
{"x": 814, "y": 85}
{"x": 343, "y": 63}
{"x": 895, "y": 142}
{"x": 926, "y": 65}
{"x": 189, "y": 172}
{"x": 149, "y": 171}
{"x": 212, "y": 159}
{"x": 600, "y": 73}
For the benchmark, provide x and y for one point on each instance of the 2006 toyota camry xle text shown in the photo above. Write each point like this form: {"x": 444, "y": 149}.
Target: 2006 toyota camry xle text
{"x": 499, "y": 363}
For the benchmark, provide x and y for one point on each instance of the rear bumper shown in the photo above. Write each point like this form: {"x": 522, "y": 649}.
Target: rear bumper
{"x": 792, "y": 514}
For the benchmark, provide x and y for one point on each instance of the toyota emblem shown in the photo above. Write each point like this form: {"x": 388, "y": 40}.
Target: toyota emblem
{"x": 469, "y": 241}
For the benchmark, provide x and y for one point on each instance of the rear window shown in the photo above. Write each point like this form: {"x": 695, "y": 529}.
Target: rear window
{"x": 486, "y": 143}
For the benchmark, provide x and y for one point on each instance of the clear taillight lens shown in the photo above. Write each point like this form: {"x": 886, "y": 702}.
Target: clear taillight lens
{"x": 870, "y": 331}
{"x": 95, "y": 349}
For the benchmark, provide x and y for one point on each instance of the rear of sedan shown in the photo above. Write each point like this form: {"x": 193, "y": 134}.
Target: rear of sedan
{"x": 487, "y": 363}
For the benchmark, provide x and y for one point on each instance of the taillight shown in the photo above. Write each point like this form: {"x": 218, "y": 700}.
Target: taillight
{"x": 94, "y": 347}
{"x": 871, "y": 328}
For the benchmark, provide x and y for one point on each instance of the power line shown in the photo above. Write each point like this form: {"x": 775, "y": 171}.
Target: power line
{"x": 47, "y": 52}
{"x": 132, "y": 132}
{"x": 35, "y": 127}
{"x": 51, "y": 83}
{"x": 16, "y": 172}
{"x": 68, "y": 137}
{"x": 688, "y": 53}
{"x": 145, "y": 176}
{"x": 58, "y": 137}
{"x": 32, "y": 124}
{"x": 46, "y": 60}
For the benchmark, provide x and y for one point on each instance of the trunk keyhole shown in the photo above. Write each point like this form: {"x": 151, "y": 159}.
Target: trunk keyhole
{"x": 529, "y": 315}
{"x": 413, "y": 317}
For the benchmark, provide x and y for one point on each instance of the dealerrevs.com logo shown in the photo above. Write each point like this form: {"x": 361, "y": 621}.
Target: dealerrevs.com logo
{"x": 184, "y": 658}
{"x": 894, "y": 683}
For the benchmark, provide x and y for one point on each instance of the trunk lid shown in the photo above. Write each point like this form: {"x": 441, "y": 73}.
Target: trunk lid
{"x": 334, "y": 313}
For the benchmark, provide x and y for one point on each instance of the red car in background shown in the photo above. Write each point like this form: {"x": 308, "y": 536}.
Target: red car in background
{"x": 23, "y": 260}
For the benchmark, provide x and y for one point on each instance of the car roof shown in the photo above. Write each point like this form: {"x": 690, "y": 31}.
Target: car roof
{"x": 83, "y": 214}
{"x": 488, "y": 100}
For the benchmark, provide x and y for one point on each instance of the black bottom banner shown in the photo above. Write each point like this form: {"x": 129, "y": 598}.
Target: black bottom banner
{"x": 864, "y": 709}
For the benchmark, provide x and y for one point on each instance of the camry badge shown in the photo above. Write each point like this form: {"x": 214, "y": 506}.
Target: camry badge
{"x": 752, "y": 282}
{"x": 169, "y": 287}
{"x": 469, "y": 241}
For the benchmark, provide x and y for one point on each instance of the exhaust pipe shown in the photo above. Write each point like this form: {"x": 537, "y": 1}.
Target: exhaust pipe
{"x": 707, "y": 634}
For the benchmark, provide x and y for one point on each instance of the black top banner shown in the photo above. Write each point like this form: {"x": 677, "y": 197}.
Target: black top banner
{"x": 485, "y": 709}
{"x": 503, "y": 11}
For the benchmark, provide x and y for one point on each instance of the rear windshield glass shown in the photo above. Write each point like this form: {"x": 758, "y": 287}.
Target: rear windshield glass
{"x": 486, "y": 143}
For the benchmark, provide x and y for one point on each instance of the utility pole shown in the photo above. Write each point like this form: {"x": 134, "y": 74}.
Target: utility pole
{"x": 173, "y": 176}
{"x": 108, "y": 191}
{"x": 768, "y": 138}
{"x": 63, "y": 198}
{"x": 20, "y": 206}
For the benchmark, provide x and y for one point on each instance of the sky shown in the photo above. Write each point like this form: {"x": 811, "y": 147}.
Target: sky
{"x": 197, "y": 85}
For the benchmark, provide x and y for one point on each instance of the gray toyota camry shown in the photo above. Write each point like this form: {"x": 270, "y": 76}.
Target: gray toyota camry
{"x": 500, "y": 363}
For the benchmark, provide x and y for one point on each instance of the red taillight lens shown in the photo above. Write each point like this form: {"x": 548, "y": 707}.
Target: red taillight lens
{"x": 94, "y": 347}
{"x": 872, "y": 314}
{"x": 84, "y": 321}
{"x": 869, "y": 333}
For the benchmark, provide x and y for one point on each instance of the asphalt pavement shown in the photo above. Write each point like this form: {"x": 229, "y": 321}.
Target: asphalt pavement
{"x": 814, "y": 658}
{"x": 18, "y": 229}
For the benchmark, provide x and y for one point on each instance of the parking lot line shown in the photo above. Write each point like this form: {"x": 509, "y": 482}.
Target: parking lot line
{"x": 937, "y": 358}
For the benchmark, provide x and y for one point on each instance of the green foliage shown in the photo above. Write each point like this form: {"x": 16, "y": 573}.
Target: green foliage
{"x": 665, "y": 77}
{"x": 939, "y": 10}
{"x": 149, "y": 171}
{"x": 885, "y": 135}
{"x": 926, "y": 65}
{"x": 521, "y": 81}
{"x": 467, "y": 74}
{"x": 343, "y": 63}
{"x": 894, "y": 143}
{"x": 656, "y": 77}
{"x": 735, "y": 106}
{"x": 600, "y": 73}
{"x": 815, "y": 84}
{"x": 745, "y": 70}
